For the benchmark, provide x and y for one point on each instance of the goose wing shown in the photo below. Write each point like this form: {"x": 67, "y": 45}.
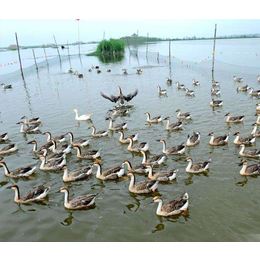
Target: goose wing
{"x": 194, "y": 137}
{"x": 3, "y": 136}
{"x": 8, "y": 147}
{"x": 100, "y": 132}
{"x": 83, "y": 200}
{"x": 91, "y": 152}
{"x": 112, "y": 170}
{"x": 130, "y": 96}
{"x": 177, "y": 124}
{"x": 254, "y": 168}
{"x": 80, "y": 172}
{"x": 220, "y": 139}
{"x": 21, "y": 170}
{"x": 252, "y": 152}
{"x": 155, "y": 158}
{"x": 143, "y": 185}
{"x": 112, "y": 98}
{"x": 200, "y": 165}
{"x": 174, "y": 205}
{"x": 34, "y": 193}
{"x": 236, "y": 118}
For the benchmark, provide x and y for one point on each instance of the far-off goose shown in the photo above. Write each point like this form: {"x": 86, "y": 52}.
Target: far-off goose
{"x": 180, "y": 86}
{"x": 79, "y": 142}
{"x": 253, "y": 169}
{"x": 245, "y": 88}
{"x": 195, "y": 82}
{"x": 116, "y": 127}
{"x": 4, "y": 137}
{"x": 189, "y": 92}
{"x": 200, "y": 167}
{"x": 220, "y": 140}
{"x": 237, "y": 79}
{"x": 29, "y": 130}
{"x": 162, "y": 91}
{"x": 234, "y": 119}
{"x": 89, "y": 154}
{"x": 33, "y": 121}
{"x": 258, "y": 119}
{"x": 215, "y": 92}
{"x": 216, "y": 103}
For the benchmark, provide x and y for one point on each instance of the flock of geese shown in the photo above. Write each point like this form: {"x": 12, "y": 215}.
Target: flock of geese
{"x": 53, "y": 154}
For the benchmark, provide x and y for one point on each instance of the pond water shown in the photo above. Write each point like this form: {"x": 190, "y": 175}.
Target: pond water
{"x": 223, "y": 205}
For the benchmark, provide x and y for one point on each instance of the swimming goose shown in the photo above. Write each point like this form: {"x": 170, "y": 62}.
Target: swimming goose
{"x": 89, "y": 154}
{"x": 173, "y": 126}
{"x": 200, "y": 167}
{"x": 70, "y": 70}
{"x": 52, "y": 165}
{"x": 195, "y": 82}
{"x": 124, "y": 140}
{"x": 162, "y": 91}
{"x": 237, "y": 79}
{"x": 108, "y": 70}
{"x": 234, "y": 119}
{"x": 110, "y": 174}
{"x": 18, "y": 173}
{"x": 171, "y": 208}
{"x": 6, "y": 86}
{"x": 36, "y": 194}
{"x": 184, "y": 115}
{"x": 62, "y": 148}
{"x": 90, "y": 70}
{"x": 29, "y": 129}
{"x": 179, "y": 149}
{"x": 216, "y": 103}
{"x": 76, "y": 73}
{"x": 137, "y": 147}
{"x": 59, "y": 138}
{"x": 254, "y": 92}
{"x": 258, "y": 119}
{"x": 116, "y": 127}
{"x": 215, "y": 92}
{"x": 143, "y": 187}
{"x": 253, "y": 169}
{"x": 258, "y": 106}
{"x": 80, "y": 202}
{"x": 155, "y": 160}
{"x": 189, "y": 92}
{"x": 4, "y": 137}
{"x": 125, "y": 72}
{"x": 139, "y": 71}
{"x": 52, "y": 156}
{"x": 35, "y": 146}
{"x": 96, "y": 67}
{"x": 215, "y": 83}
{"x": 79, "y": 142}
{"x": 98, "y": 71}
{"x": 84, "y": 117}
{"x": 169, "y": 81}
{"x": 180, "y": 86}
{"x": 254, "y": 153}
{"x": 255, "y": 132}
{"x": 121, "y": 98}
{"x": 141, "y": 168}
{"x": 76, "y": 175}
{"x": 100, "y": 133}
{"x": 194, "y": 139}
{"x": 10, "y": 148}
{"x": 33, "y": 121}
{"x": 122, "y": 112}
{"x": 156, "y": 119}
{"x": 244, "y": 140}
{"x": 163, "y": 176}
{"x": 220, "y": 140}
{"x": 245, "y": 88}
{"x": 80, "y": 75}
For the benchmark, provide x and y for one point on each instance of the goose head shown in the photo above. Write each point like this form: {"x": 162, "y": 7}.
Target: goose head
{"x": 227, "y": 114}
{"x": 237, "y": 134}
{"x": 178, "y": 110}
{"x": 156, "y": 199}
{"x": 243, "y": 162}
{"x": 13, "y": 187}
{"x": 63, "y": 190}
{"x": 167, "y": 118}
{"x": 188, "y": 159}
{"x": 211, "y": 134}
{"x": 32, "y": 142}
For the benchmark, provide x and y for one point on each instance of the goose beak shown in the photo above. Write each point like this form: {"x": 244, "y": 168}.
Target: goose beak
{"x": 158, "y": 140}
{"x": 8, "y": 188}
{"x": 240, "y": 164}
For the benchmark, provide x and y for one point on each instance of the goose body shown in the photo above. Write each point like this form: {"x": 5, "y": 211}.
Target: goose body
{"x": 255, "y": 132}
{"x": 32, "y": 121}
{"x": 234, "y": 119}
{"x": 80, "y": 202}
{"x": 175, "y": 150}
{"x": 6, "y": 86}
{"x": 84, "y": 117}
{"x": 189, "y": 92}
{"x": 200, "y": 167}
{"x": 100, "y": 133}
{"x": 244, "y": 140}
{"x": 89, "y": 154}
{"x": 144, "y": 146}
{"x": 155, "y": 160}
{"x": 141, "y": 168}
{"x": 237, "y": 79}
{"x": 253, "y": 169}
{"x": 18, "y": 173}
{"x": 184, "y": 115}
{"x": 52, "y": 165}
{"x": 4, "y": 137}
{"x": 79, "y": 142}
{"x": 253, "y": 92}
{"x": 162, "y": 176}
{"x": 29, "y": 130}
{"x": 10, "y": 148}
{"x": 124, "y": 140}
{"x": 61, "y": 148}
{"x": 156, "y": 119}
{"x": 245, "y": 88}
{"x": 76, "y": 175}
{"x": 36, "y": 194}
{"x": 162, "y": 91}
{"x": 216, "y": 103}
{"x": 215, "y": 92}
{"x": 171, "y": 208}
{"x": 173, "y": 126}
{"x": 110, "y": 174}
{"x": 220, "y": 140}
{"x": 143, "y": 187}
{"x": 116, "y": 127}
{"x": 195, "y": 82}
{"x": 52, "y": 156}
{"x": 254, "y": 153}
{"x": 194, "y": 139}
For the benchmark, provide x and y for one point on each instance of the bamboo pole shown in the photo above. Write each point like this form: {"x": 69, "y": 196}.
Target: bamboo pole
{"x": 213, "y": 53}
{"x": 170, "y": 60}
{"x": 57, "y": 48}
{"x": 78, "y": 38}
{"x": 35, "y": 60}
{"x": 147, "y": 45}
{"x": 69, "y": 53}
{"x": 158, "y": 57}
{"x": 18, "y": 49}
{"x": 45, "y": 55}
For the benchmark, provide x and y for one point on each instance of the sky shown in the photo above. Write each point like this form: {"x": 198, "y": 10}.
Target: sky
{"x": 39, "y": 31}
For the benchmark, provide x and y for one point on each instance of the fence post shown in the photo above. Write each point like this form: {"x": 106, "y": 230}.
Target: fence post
{"x": 18, "y": 49}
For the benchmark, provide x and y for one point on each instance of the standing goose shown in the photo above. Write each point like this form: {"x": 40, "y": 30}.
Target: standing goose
{"x": 141, "y": 168}
{"x": 10, "y": 148}
{"x": 194, "y": 139}
{"x": 163, "y": 176}
{"x": 255, "y": 132}
{"x": 254, "y": 92}
{"x": 62, "y": 148}
{"x": 255, "y": 153}
{"x": 171, "y": 208}
{"x": 215, "y": 92}
{"x": 33, "y": 121}
{"x": 110, "y": 174}
{"x": 184, "y": 115}
{"x": 216, "y": 103}
{"x": 79, "y": 142}
{"x": 245, "y": 88}
{"x": 80, "y": 202}
{"x": 237, "y": 79}
{"x": 190, "y": 93}
{"x": 220, "y": 140}
{"x": 59, "y": 138}
{"x": 180, "y": 86}
{"x": 116, "y": 127}
{"x": 76, "y": 175}
{"x": 173, "y": 126}
{"x": 100, "y": 133}
{"x": 6, "y": 86}
{"x": 155, "y": 160}
{"x": 175, "y": 150}
{"x": 29, "y": 129}
{"x": 84, "y": 117}
{"x": 89, "y": 154}
{"x": 143, "y": 187}
{"x": 161, "y": 91}
{"x": 195, "y": 82}
{"x": 18, "y": 173}
{"x": 244, "y": 140}
{"x": 124, "y": 140}
{"x": 36, "y": 194}
{"x": 156, "y": 119}
{"x": 253, "y": 169}
{"x": 201, "y": 167}
{"x": 52, "y": 165}
{"x": 137, "y": 147}
{"x": 234, "y": 119}
{"x": 4, "y": 137}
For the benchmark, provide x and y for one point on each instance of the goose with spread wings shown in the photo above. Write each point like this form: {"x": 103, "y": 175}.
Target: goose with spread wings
{"x": 121, "y": 98}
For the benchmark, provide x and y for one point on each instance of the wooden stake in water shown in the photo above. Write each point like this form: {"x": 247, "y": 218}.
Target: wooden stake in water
{"x": 45, "y": 56}
{"x": 170, "y": 61}
{"x": 57, "y": 49}
{"x": 213, "y": 53}
{"x": 35, "y": 60}
{"x": 18, "y": 49}
{"x": 158, "y": 57}
{"x": 147, "y": 46}
{"x": 69, "y": 53}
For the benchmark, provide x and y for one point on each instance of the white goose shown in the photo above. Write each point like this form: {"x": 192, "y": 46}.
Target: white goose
{"x": 84, "y": 117}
